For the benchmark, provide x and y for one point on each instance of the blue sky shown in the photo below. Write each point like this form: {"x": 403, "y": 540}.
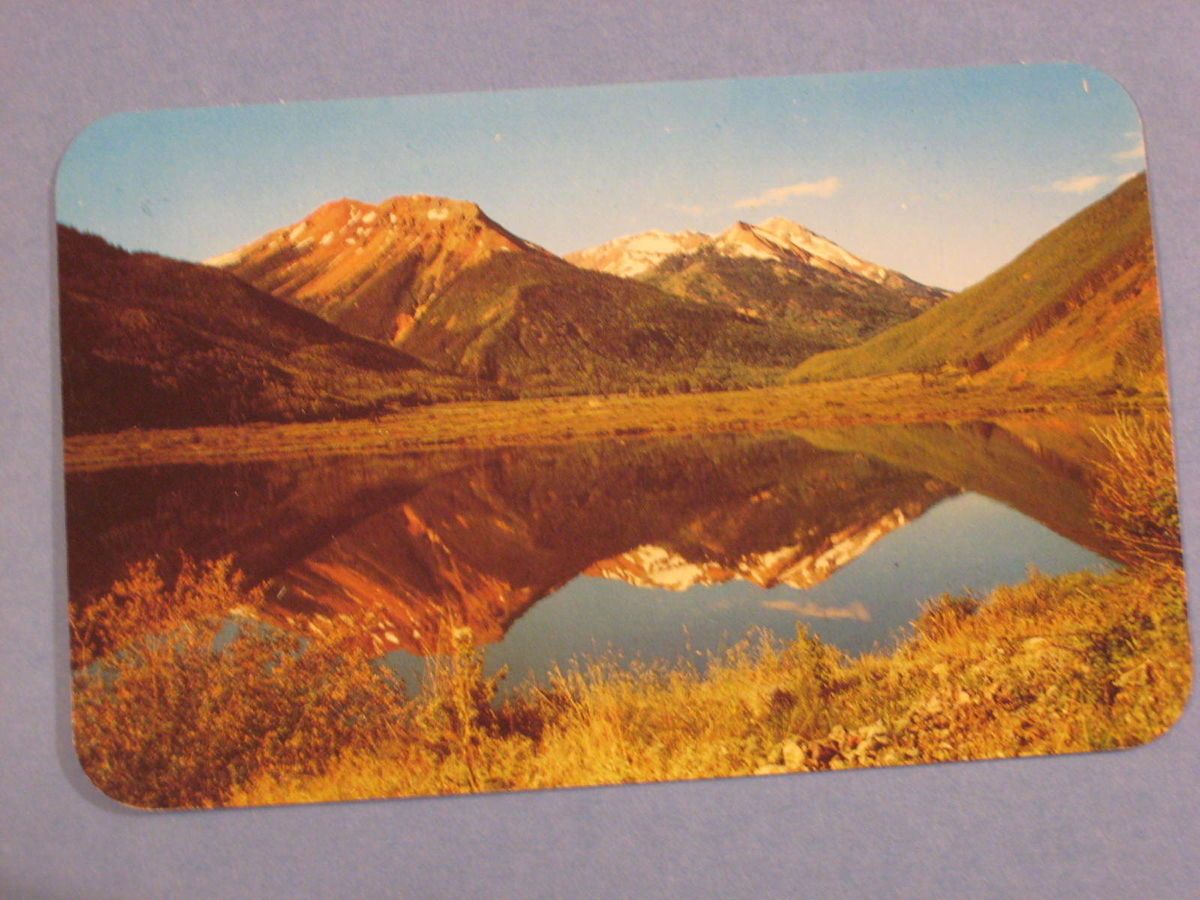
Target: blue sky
{"x": 942, "y": 174}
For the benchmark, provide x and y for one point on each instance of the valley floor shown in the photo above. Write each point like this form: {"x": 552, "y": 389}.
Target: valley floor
{"x": 490, "y": 424}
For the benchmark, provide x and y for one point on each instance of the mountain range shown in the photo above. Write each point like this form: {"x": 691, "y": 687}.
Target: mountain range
{"x": 441, "y": 280}
{"x": 777, "y": 270}
{"x": 358, "y": 309}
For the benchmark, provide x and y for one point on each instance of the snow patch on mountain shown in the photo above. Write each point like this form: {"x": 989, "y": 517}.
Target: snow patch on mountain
{"x": 789, "y": 234}
{"x": 233, "y": 257}
{"x": 637, "y": 253}
{"x": 776, "y": 238}
{"x": 743, "y": 240}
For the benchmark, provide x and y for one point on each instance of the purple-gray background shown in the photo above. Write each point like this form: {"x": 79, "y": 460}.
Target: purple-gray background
{"x": 1114, "y": 824}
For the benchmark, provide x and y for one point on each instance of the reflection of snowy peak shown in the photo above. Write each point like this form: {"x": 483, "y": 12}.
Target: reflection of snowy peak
{"x": 658, "y": 567}
{"x": 796, "y": 566}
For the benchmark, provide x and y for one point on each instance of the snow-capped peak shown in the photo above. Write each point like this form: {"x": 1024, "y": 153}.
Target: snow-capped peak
{"x": 793, "y": 235}
{"x": 633, "y": 254}
{"x": 775, "y": 238}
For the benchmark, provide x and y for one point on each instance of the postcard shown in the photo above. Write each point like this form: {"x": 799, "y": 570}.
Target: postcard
{"x": 485, "y": 442}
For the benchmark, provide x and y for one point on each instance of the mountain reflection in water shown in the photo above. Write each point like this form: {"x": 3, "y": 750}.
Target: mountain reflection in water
{"x": 654, "y": 548}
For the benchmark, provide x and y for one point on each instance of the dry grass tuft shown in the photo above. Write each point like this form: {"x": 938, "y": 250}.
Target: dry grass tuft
{"x": 1136, "y": 500}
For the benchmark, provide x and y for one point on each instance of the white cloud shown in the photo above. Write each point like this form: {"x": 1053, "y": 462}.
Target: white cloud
{"x": 1079, "y": 184}
{"x": 1121, "y": 179}
{"x": 691, "y": 209}
{"x": 825, "y": 188}
{"x": 1136, "y": 152}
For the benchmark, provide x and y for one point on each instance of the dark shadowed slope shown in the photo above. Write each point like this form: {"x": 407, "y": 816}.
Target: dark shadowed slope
{"x": 154, "y": 342}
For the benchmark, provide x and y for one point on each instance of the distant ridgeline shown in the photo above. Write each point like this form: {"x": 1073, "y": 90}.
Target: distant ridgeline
{"x": 360, "y": 309}
{"x": 1080, "y": 304}
{"x": 776, "y": 271}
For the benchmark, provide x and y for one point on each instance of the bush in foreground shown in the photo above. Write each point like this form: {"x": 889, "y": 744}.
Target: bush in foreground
{"x": 181, "y": 693}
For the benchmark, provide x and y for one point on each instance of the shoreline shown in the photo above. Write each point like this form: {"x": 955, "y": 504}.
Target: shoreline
{"x": 481, "y": 425}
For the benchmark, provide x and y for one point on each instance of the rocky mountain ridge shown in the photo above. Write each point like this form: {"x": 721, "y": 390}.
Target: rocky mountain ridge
{"x": 776, "y": 239}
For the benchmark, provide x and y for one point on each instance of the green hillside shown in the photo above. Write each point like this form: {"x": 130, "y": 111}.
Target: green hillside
{"x": 837, "y": 310}
{"x": 154, "y": 342}
{"x": 1080, "y": 303}
{"x": 541, "y": 325}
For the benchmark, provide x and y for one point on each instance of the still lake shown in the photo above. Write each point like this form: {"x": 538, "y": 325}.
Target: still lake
{"x": 658, "y": 550}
